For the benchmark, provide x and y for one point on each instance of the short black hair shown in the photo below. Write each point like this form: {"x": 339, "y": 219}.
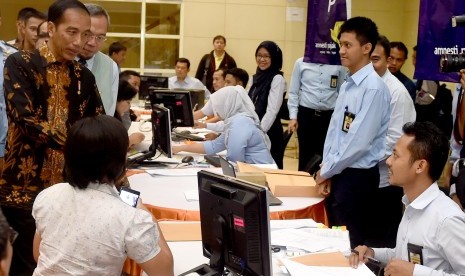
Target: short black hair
{"x": 125, "y": 91}
{"x": 34, "y": 14}
{"x": 239, "y": 74}
{"x": 219, "y": 37}
{"x": 401, "y": 46}
{"x": 364, "y": 28}
{"x": 430, "y": 144}
{"x": 384, "y": 42}
{"x": 116, "y": 47}
{"x": 183, "y": 60}
{"x": 415, "y": 48}
{"x": 42, "y": 35}
{"x": 23, "y": 13}
{"x": 4, "y": 235}
{"x": 95, "y": 151}
{"x": 223, "y": 70}
{"x": 126, "y": 74}
{"x": 59, "y": 7}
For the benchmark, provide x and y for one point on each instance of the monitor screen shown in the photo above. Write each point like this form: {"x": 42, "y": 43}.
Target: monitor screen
{"x": 161, "y": 130}
{"x": 235, "y": 224}
{"x": 179, "y": 104}
{"x": 147, "y": 82}
{"x": 197, "y": 98}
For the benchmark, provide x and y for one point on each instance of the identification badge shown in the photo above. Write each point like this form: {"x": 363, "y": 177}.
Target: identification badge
{"x": 348, "y": 119}
{"x": 415, "y": 253}
{"x": 333, "y": 83}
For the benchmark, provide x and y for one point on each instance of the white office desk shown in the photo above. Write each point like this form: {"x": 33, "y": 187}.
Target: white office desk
{"x": 168, "y": 192}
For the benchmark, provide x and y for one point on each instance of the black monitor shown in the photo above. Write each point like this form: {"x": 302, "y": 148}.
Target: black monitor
{"x": 147, "y": 82}
{"x": 161, "y": 130}
{"x": 197, "y": 98}
{"x": 234, "y": 218}
{"x": 178, "y": 102}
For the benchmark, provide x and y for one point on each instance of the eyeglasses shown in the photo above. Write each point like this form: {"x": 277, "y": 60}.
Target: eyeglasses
{"x": 98, "y": 38}
{"x": 13, "y": 235}
{"x": 265, "y": 58}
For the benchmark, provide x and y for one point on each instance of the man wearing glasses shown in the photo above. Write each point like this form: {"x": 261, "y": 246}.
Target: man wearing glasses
{"x": 105, "y": 70}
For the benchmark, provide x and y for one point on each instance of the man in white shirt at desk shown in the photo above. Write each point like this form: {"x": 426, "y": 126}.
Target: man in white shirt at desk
{"x": 430, "y": 239}
{"x": 105, "y": 70}
{"x": 182, "y": 80}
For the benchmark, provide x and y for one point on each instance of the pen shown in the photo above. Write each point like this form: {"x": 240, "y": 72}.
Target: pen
{"x": 195, "y": 107}
{"x": 370, "y": 259}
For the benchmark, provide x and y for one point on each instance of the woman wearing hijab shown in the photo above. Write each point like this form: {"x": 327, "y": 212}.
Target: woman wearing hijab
{"x": 243, "y": 138}
{"x": 267, "y": 94}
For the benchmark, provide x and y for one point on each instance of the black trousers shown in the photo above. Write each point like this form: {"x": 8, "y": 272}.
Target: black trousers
{"x": 275, "y": 133}
{"x": 386, "y": 215}
{"x": 349, "y": 201}
{"x": 21, "y": 220}
{"x": 311, "y": 133}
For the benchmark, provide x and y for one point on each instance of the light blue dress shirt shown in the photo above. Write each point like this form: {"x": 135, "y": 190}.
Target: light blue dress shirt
{"x": 311, "y": 86}
{"x": 245, "y": 143}
{"x": 5, "y": 51}
{"x": 363, "y": 146}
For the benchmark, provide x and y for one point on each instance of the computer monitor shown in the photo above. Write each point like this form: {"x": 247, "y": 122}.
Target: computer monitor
{"x": 147, "y": 82}
{"x": 197, "y": 98}
{"x": 234, "y": 219}
{"x": 178, "y": 102}
{"x": 161, "y": 130}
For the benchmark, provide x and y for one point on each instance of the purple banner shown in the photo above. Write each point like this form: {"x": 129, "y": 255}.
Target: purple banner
{"x": 436, "y": 36}
{"x": 324, "y": 19}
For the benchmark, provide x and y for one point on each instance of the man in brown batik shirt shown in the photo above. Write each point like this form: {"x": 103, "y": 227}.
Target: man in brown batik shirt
{"x": 46, "y": 92}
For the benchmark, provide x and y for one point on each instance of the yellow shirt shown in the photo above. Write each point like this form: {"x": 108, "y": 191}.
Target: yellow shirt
{"x": 218, "y": 60}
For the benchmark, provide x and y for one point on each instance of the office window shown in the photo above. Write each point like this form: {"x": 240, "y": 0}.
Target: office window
{"x": 150, "y": 29}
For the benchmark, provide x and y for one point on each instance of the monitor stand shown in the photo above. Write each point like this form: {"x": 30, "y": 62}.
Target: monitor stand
{"x": 216, "y": 267}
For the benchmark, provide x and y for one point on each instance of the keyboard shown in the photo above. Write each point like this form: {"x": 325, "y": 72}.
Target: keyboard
{"x": 189, "y": 136}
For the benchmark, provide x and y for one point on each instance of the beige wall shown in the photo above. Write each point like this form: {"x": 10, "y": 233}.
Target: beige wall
{"x": 245, "y": 23}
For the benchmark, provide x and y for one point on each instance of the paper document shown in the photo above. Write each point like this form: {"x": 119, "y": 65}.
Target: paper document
{"x": 191, "y": 195}
{"x": 293, "y": 223}
{"x": 312, "y": 239}
{"x": 298, "y": 239}
{"x": 297, "y": 269}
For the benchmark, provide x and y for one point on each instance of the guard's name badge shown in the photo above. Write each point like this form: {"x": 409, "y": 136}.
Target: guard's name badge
{"x": 415, "y": 254}
{"x": 333, "y": 82}
{"x": 348, "y": 119}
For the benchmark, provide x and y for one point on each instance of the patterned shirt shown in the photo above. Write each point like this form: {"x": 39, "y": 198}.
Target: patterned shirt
{"x": 44, "y": 98}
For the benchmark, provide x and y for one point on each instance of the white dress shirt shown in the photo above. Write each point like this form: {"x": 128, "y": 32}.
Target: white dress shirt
{"x": 436, "y": 223}
{"x": 402, "y": 112}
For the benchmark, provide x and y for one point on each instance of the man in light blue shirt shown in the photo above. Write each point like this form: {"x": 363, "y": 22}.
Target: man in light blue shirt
{"x": 312, "y": 96}
{"x": 182, "y": 80}
{"x": 5, "y": 51}
{"x": 355, "y": 142}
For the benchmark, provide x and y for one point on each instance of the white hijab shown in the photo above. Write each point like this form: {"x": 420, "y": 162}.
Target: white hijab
{"x": 231, "y": 101}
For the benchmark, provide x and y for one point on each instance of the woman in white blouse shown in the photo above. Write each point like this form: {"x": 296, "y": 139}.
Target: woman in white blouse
{"x": 83, "y": 227}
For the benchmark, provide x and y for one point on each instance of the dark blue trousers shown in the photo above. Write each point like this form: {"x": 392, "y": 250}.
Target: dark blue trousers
{"x": 349, "y": 201}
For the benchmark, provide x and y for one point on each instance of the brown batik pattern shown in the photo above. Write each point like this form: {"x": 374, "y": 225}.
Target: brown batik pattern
{"x": 43, "y": 101}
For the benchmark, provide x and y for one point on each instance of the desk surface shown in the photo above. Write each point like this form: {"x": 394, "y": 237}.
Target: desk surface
{"x": 168, "y": 192}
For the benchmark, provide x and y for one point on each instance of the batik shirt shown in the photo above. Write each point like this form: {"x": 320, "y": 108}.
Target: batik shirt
{"x": 44, "y": 98}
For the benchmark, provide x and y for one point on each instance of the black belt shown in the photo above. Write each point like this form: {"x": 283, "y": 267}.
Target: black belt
{"x": 317, "y": 112}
